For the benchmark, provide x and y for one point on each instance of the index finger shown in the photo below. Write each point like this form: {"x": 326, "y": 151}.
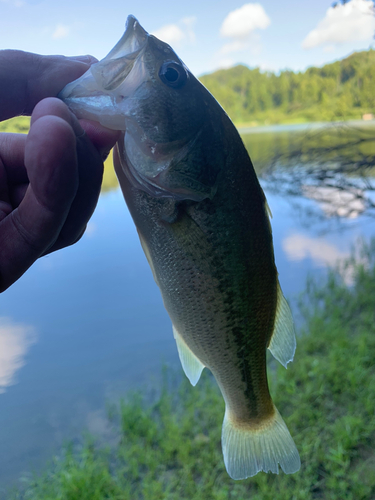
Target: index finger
{"x": 26, "y": 79}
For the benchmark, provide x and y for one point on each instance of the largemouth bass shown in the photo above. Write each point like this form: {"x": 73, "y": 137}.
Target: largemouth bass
{"x": 203, "y": 223}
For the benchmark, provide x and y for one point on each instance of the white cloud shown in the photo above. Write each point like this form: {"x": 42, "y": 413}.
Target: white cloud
{"x": 174, "y": 34}
{"x": 329, "y": 48}
{"x": 170, "y": 33}
{"x": 15, "y": 340}
{"x": 242, "y": 22}
{"x": 240, "y": 27}
{"x": 61, "y": 31}
{"x": 300, "y": 247}
{"x": 350, "y": 22}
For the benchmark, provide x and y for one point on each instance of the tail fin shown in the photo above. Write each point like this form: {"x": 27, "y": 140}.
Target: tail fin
{"x": 247, "y": 451}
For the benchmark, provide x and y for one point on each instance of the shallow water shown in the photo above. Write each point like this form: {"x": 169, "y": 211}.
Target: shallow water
{"x": 86, "y": 324}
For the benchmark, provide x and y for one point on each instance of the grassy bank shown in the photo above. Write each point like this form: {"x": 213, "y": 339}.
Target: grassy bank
{"x": 299, "y": 116}
{"x": 170, "y": 450}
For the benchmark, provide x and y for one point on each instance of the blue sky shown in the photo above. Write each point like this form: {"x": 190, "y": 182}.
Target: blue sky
{"x": 207, "y": 35}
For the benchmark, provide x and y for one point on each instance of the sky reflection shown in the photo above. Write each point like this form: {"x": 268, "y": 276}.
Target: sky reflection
{"x": 298, "y": 247}
{"x": 15, "y": 341}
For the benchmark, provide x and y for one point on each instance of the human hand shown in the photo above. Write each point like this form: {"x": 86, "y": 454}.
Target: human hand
{"x": 49, "y": 179}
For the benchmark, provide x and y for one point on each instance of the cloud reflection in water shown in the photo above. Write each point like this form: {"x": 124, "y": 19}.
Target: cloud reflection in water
{"x": 335, "y": 201}
{"x": 300, "y": 247}
{"x": 15, "y": 341}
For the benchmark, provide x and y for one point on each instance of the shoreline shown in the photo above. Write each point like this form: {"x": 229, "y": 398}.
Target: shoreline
{"x": 290, "y": 127}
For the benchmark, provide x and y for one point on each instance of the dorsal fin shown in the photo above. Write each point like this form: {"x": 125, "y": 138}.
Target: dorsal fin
{"x": 283, "y": 341}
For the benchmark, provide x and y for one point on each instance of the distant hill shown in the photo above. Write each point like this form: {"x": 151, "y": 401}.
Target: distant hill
{"x": 343, "y": 90}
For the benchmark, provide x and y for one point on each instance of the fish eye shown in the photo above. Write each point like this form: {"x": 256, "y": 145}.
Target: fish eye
{"x": 173, "y": 74}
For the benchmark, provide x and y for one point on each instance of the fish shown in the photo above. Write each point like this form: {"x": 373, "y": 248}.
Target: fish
{"x": 204, "y": 226}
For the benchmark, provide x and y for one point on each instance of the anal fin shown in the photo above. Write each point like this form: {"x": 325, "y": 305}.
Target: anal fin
{"x": 283, "y": 341}
{"x": 190, "y": 363}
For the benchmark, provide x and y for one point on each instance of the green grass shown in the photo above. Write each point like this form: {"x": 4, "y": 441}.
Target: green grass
{"x": 18, "y": 125}
{"x": 170, "y": 449}
{"x": 309, "y": 115}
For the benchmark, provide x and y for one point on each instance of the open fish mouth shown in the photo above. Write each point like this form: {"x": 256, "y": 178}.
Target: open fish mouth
{"x": 140, "y": 88}
{"x": 97, "y": 94}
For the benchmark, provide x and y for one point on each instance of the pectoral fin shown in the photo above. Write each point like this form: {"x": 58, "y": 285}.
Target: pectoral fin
{"x": 190, "y": 363}
{"x": 283, "y": 341}
{"x": 268, "y": 210}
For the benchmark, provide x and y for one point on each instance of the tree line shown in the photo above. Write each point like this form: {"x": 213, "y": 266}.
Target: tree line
{"x": 341, "y": 90}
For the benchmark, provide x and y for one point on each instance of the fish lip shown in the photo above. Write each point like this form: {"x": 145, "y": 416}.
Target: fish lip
{"x": 135, "y": 33}
{"x": 132, "y": 42}
{"x": 94, "y": 90}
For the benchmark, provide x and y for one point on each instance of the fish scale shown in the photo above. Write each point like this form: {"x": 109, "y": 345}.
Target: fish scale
{"x": 203, "y": 222}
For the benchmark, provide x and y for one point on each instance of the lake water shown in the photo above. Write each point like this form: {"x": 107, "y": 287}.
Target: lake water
{"x": 86, "y": 324}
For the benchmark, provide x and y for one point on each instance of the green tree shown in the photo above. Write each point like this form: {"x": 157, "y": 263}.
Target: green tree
{"x": 343, "y": 89}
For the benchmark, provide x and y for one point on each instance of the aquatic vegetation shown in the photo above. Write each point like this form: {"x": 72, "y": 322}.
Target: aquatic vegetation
{"x": 170, "y": 449}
